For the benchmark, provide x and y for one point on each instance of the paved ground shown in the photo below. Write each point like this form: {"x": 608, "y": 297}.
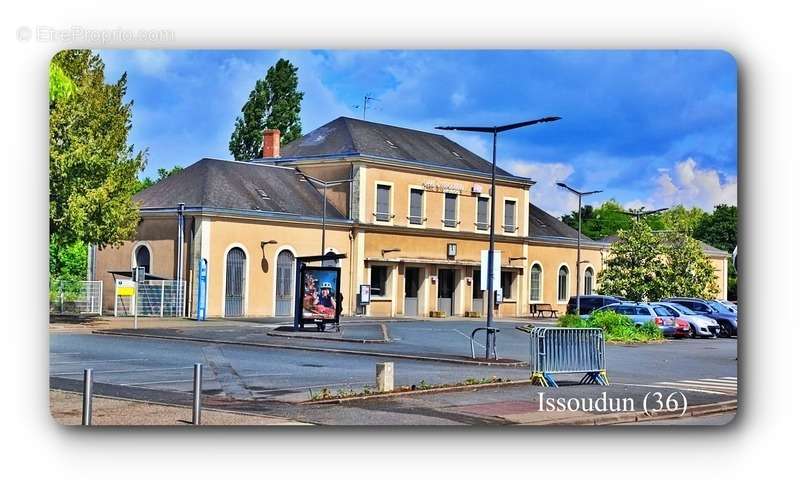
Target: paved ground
{"x": 271, "y": 380}
{"x": 65, "y": 407}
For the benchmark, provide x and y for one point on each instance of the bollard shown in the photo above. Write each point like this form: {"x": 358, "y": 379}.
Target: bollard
{"x": 384, "y": 377}
{"x": 198, "y": 390}
{"x": 86, "y": 418}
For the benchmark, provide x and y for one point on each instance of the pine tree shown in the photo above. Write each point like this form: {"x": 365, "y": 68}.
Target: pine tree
{"x": 273, "y": 103}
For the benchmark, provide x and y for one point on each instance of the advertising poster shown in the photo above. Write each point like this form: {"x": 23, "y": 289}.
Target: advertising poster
{"x": 320, "y": 287}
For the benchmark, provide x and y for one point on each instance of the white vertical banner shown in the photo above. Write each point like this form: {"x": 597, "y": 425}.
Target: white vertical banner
{"x": 485, "y": 269}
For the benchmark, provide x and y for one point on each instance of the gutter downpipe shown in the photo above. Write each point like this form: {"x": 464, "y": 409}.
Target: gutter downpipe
{"x": 179, "y": 266}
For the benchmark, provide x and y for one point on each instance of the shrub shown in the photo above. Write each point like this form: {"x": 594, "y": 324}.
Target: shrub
{"x": 571, "y": 320}
{"x": 618, "y": 328}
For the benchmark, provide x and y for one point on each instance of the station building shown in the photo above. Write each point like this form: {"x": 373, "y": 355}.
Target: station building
{"x": 411, "y": 216}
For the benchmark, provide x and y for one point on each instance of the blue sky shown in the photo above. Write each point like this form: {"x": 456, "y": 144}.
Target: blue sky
{"x": 649, "y": 128}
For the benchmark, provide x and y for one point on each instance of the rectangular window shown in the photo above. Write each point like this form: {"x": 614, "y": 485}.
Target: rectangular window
{"x": 509, "y": 221}
{"x": 506, "y": 281}
{"x": 415, "y": 207}
{"x": 450, "y": 217}
{"x": 483, "y": 214}
{"x": 378, "y": 278}
{"x": 382, "y": 199}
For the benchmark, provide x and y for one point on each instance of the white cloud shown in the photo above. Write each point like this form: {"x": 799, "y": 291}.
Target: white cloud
{"x": 545, "y": 194}
{"x": 152, "y": 63}
{"x": 688, "y": 184}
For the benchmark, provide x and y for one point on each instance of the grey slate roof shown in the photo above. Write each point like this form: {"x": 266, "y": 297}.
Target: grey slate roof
{"x": 543, "y": 225}
{"x": 214, "y": 183}
{"x": 347, "y": 136}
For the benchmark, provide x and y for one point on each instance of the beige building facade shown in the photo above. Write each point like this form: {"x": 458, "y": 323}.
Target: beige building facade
{"x": 411, "y": 217}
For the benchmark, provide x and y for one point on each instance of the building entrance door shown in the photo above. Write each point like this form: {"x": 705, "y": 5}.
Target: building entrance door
{"x": 446, "y": 289}
{"x": 234, "y": 283}
{"x": 477, "y": 293}
{"x": 411, "y": 305}
{"x": 284, "y": 284}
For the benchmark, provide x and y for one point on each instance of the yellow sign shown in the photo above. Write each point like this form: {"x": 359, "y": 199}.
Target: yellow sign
{"x": 125, "y": 291}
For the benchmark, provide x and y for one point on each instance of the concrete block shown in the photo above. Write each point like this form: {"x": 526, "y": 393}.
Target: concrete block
{"x": 384, "y": 376}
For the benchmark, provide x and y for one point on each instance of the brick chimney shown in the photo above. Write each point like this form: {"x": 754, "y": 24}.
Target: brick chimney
{"x": 272, "y": 143}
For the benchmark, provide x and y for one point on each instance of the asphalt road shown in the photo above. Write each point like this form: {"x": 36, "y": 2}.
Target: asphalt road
{"x": 264, "y": 379}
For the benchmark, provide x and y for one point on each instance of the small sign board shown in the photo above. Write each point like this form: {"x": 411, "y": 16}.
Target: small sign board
{"x": 125, "y": 288}
{"x": 485, "y": 269}
{"x": 138, "y": 273}
{"x": 364, "y": 294}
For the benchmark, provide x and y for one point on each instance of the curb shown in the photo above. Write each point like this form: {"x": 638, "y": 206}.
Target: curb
{"x": 332, "y": 339}
{"x": 392, "y": 394}
{"x": 633, "y": 417}
{"x": 516, "y": 364}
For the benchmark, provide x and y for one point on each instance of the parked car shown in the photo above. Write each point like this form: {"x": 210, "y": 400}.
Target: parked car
{"x": 642, "y": 313}
{"x": 590, "y": 303}
{"x": 725, "y": 318}
{"x": 699, "y": 325}
{"x": 729, "y": 305}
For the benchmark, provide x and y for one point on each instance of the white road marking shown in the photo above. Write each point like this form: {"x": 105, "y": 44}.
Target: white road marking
{"x": 470, "y": 338}
{"x": 674, "y": 388}
{"x": 683, "y": 385}
{"x": 100, "y": 361}
{"x": 120, "y": 371}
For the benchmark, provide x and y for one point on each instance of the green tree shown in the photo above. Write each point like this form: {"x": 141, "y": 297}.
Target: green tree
{"x": 687, "y": 270}
{"x": 635, "y": 265}
{"x": 68, "y": 262}
{"x": 162, "y": 174}
{"x": 273, "y": 103}
{"x": 93, "y": 170}
{"x": 719, "y": 228}
{"x": 597, "y": 223}
{"x": 681, "y": 219}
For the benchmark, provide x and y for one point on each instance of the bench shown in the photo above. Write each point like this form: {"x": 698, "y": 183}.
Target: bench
{"x": 539, "y": 309}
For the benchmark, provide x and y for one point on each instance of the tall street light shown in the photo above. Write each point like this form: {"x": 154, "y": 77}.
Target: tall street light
{"x": 490, "y": 274}
{"x": 324, "y": 185}
{"x": 642, "y": 212}
{"x": 580, "y": 194}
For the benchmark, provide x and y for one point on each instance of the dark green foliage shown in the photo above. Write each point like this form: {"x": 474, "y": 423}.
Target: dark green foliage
{"x": 719, "y": 228}
{"x": 93, "y": 170}
{"x": 273, "y": 103}
{"x": 68, "y": 262}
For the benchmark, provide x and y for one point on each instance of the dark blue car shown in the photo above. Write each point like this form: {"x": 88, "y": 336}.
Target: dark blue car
{"x": 710, "y": 308}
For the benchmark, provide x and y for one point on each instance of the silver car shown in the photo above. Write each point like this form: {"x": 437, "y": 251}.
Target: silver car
{"x": 701, "y": 326}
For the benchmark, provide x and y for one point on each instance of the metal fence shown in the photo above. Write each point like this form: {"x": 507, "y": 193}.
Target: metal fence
{"x": 154, "y": 298}
{"x": 559, "y": 350}
{"x": 76, "y": 297}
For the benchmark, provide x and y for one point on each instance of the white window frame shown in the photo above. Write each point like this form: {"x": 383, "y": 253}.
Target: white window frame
{"x": 391, "y": 203}
{"x": 594, "y": 275}
{"x": 424, "y": 207}
{"x": 541, "y": 283}
{"x": 136, "y": 247}
{"x": 458, "y": 195}
{"x": 488, "y": 213}
{"x": 558, "y": 275}
{"x": 516, "y": 214}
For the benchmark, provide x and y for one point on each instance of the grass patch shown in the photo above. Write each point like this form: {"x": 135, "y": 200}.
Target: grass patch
{"x": 617, "y": 328}
{"x": 326, "y": 394}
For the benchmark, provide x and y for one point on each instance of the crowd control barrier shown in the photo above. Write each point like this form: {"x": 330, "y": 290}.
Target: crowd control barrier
{"x": 563, "y": 350}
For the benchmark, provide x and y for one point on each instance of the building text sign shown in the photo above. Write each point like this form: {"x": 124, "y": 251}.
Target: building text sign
{"x": 443, "y": 187}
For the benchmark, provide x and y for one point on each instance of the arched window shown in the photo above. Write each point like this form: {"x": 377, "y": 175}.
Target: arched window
{"x": 284, "y": 284}
{"x": 536, "y": 282}
{"x": 563, "y": 283}
{"x": 142, "y": 258}
{"x": 234, "y": 282}
{"x": 588, "y": 281}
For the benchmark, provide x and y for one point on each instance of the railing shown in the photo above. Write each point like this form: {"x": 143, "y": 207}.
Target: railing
{"x": 154, "y": 298}
{"x": 564, "y": 350}
{"x": 76, "y": 297}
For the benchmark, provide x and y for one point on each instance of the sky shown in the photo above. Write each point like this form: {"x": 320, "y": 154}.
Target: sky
{"x": 648, "y": 128}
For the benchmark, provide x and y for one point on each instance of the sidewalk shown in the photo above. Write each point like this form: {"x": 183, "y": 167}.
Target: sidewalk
{"x": 65, "y": 408}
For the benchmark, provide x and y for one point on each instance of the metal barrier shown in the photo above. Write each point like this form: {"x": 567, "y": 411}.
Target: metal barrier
{"x": 492, "y": 340}
{"x": 154, "y": 298}
{"x": 76, "y": 297}
{"x": 563, "y": 350}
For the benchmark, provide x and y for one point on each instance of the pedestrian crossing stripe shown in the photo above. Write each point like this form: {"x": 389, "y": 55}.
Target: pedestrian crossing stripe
{"x": 716, "y": 386}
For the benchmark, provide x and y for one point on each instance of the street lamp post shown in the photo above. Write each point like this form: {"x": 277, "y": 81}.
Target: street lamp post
{"x": 324, "y": 185}
{"x": 578, "y": 261}
{"x": 494, "y": 130}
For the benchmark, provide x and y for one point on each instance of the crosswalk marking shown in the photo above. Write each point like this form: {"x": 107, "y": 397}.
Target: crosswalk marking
{"x": 726, "y": 386}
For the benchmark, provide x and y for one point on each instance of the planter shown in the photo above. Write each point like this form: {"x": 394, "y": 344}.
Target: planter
{"x": 437, "y": 314}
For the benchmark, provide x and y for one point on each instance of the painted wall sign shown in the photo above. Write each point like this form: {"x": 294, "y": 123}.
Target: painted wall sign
{"x": 442, "y": 187}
